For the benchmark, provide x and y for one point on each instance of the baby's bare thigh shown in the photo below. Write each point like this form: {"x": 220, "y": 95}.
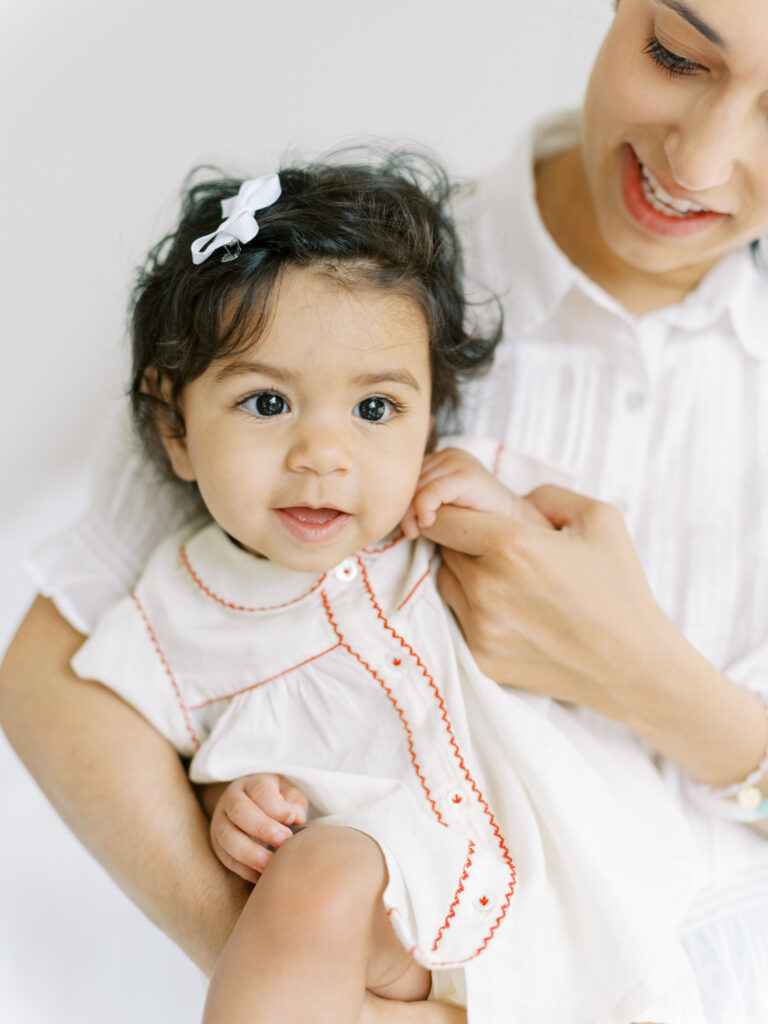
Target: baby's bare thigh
{"x": 329, "y": 882}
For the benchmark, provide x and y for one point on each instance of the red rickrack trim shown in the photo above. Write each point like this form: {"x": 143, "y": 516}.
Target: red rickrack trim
{"x": 262, "y": 682}
{"x": 390, "y": 695}
{"x": 497, "y": 459}
{"x": 168, "y": 672}
{"x": 457, "y": 753}
{"x": 459, "y": 890}
{"x": 240, "y": 607}
{"x": 413, "y": 589}
{"x": 385, "y": 547}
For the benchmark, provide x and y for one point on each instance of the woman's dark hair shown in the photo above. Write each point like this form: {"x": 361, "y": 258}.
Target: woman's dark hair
{"x": 381, "y": 222}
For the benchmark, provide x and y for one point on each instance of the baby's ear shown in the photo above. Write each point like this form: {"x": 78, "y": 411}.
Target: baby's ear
{"x": 169, "y": 422}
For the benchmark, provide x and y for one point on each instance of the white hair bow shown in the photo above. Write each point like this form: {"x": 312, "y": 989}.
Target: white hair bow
{"x": 239, "y": 224}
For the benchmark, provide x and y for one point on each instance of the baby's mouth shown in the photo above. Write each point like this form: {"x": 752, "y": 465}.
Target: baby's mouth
{"x": 313, "y": 525}
{"x": 305, "y": 514}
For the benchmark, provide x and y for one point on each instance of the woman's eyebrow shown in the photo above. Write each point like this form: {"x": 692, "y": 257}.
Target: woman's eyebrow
{"x": 693, "y": 19}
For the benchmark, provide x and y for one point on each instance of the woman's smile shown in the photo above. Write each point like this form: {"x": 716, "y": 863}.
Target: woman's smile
{"x": 670, "y": 173}
{"x": 657, "y": 210}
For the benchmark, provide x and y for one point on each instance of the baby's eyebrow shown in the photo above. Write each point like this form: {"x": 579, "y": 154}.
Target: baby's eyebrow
{"x": 240, "y": 367}
{"x": 394, "y": 376}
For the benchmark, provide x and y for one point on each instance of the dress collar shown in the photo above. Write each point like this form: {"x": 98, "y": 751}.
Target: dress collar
{"x": 238, "y": 580}
{"x": 223, "y": 572}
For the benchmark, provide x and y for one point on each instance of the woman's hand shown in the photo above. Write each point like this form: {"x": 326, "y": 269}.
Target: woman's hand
{"x": 564, "y": 612}
{"x": 250, "y": 815}
{"x": 568, "y": 613}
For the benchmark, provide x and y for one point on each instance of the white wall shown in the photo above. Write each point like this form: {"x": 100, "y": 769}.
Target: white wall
{"x": 105, "y": 107}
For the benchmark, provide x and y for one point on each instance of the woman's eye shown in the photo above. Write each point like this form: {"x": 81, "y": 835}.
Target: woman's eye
{"x": 265, "y": 403}
{"x": 375, "y": 409}
{"x": 669, "y": 61}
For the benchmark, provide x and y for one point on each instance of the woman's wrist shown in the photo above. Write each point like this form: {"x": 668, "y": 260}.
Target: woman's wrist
{"x": 693, "y": 715}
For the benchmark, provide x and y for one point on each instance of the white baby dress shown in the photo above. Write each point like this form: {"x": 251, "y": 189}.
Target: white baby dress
{"x": 536, "y": 864}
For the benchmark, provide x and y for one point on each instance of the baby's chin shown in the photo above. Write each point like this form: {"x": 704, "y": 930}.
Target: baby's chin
{"x": 320, "y": 559}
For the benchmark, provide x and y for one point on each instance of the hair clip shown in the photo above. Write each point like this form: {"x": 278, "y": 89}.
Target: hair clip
{"x": 233, "y": 250}
{"x": 239, "y": 224}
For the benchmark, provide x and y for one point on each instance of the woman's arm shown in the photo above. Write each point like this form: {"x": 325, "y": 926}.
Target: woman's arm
{"x": 118, "y": 785}
{"x": 568, "y": 613}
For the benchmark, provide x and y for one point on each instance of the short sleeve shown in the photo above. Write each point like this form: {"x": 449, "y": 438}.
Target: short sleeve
{"x": 123, "y": 654}
{"x": 88, "y": 567}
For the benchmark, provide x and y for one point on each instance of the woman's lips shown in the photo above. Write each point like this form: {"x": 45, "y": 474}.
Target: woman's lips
{"x": 677, "y": 224}
{"x": 313, "y": 525}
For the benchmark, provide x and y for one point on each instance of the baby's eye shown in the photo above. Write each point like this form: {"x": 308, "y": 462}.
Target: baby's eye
{"x": 265, "y": 403}
{"x": 375, "y": 409}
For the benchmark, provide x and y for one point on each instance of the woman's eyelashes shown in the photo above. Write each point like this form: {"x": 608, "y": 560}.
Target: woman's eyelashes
{"x": 265, "y": 404}
{"x": 672, "y": 63}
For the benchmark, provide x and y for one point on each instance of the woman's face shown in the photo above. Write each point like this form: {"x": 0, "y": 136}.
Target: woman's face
{"x": 675, "y": 134}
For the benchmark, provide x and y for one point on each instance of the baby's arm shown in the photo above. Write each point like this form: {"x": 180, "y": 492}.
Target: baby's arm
{"x": 248, "y": 816}
{"x": 454, "y": 477}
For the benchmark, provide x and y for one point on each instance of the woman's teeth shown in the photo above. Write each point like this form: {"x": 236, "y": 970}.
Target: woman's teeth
{"x": 663, "y": 202}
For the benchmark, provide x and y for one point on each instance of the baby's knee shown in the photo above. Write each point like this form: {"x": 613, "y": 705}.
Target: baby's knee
{"x": 324, "y": 878}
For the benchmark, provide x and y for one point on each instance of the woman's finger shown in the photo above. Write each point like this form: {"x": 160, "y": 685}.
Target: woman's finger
{"x": 463, "y": 529}
{"x": 453, "y": 594}
{"x": 564, "y": 508}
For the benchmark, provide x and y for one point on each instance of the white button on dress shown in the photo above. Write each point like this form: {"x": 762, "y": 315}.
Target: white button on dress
{"x": 346, "y": 570}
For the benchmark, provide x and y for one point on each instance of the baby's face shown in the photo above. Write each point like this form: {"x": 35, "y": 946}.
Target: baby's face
{"x": 308, "y": 446}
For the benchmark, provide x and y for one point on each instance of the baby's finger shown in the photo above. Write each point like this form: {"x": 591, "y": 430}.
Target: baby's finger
{"x": 246, "y": 873}
{"x": 409, "y": 524}
{"x": 237, "y": 850}
{"x": 266, "y": 791}
{"x": 444, "y": 490}
{"x": 433, "y": 470}
{"x": 297, "y": 800}
{"x": 253, "y": 820}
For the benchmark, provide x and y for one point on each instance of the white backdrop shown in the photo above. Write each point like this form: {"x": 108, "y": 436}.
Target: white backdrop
{"x": 105, "y": 107}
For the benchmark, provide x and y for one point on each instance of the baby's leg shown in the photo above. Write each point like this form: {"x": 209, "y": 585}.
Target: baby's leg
{"x": 313, "y": 937}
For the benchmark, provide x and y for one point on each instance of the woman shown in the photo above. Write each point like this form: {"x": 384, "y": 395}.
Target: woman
{"x": 634, "y": 371}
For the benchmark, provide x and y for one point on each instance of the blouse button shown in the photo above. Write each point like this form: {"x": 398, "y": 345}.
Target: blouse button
{"x": 456, "y": 798}
{"x": 483, "y": 901}
{"x": 635, "y": 401}
{"x": 346, "y": 570}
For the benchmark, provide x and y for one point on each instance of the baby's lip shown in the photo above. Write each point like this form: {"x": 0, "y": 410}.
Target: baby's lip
{"x": 311, "y": 513}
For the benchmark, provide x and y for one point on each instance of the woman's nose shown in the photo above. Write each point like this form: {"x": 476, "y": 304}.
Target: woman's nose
{"x": 704, "y": 146}
{"x": 318, "y": 449}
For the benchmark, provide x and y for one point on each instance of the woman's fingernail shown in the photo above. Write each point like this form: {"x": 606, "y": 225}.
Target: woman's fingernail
{"x": 279, "y": 835}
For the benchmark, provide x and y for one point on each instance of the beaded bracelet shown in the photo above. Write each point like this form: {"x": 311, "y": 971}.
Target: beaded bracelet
{"x": 748, "y": 795}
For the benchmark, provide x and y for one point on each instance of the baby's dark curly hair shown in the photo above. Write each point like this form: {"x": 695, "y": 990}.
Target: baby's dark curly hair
{"x": 381, "y": 222}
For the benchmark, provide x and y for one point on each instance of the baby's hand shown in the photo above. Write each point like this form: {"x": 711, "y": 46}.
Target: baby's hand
{"x": 253, "y": 813}
{"x": 454, "y": 477}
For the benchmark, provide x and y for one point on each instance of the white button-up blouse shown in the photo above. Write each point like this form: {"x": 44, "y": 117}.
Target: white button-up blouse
{"x": 666, "y": 416}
